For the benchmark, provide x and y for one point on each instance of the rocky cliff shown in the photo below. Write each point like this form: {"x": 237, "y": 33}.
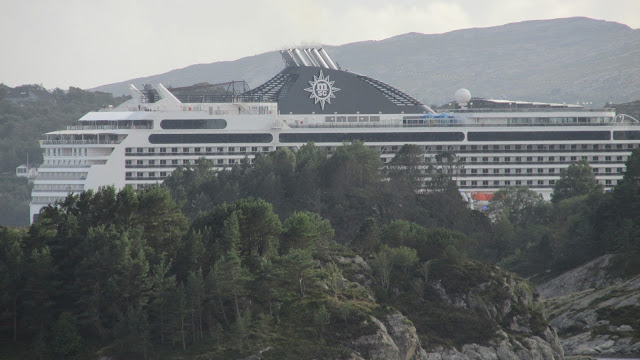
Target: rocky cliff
{"x": 396, "y": 338}
{"x": 493, "y": 314}
{"x": 594, "y": 312}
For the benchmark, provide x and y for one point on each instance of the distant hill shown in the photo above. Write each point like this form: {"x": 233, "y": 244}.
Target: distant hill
{"x": 562, "y": 60}
{"x": 630, "y": 108}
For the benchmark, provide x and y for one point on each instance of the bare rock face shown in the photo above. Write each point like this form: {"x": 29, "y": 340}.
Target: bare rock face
{"x": 404, "y": 335}
{"x": 592, "y": 275}
{"x": 532, "y": 348}
{"x": 600, "y": 317}
{"x": 458, "y": 309}
{"x": 395, "y": 339}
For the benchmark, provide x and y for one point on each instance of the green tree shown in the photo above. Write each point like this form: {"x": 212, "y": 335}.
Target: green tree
{"x": 353, "y": 166}
{"x": 240, "y": 329}
{"x": 304, "y": 230}
{"x": 132, "y": 333}
{"x": 180, "y": 310}
{"x": 368, "y": 238}
{"x": 230, "y": 239}
{"x": 404, "y": 258}
{"x": 504, "y": 235}
{"x": 382, "y": 266}
{"x": 351, "y": 184}
{"x": 102, "y": 255}
{"x": 401, "y": 233}
{"x": 574, "y": 239}
{"x": 259, "y": 228}
{"x": 447, "y": 164}
{"x": 334, "y": 278}
{"x": 520, "y": 206}
{"x": 616, "y": 224}
{"x": 407, "y": 167}
{"x": 12, "y": 263}
{"x": 66, "y": 339}
{"x": 322, "y": 318}
{"x": 196, "y": 294}
{"x": 39, "y": 292}
{"x": 163, "y": 223}
{"x": 231, "y": 278}
{"x": 299, "y": 270}
{"x": 577, "y": 180}
{"x": 435, "y": 242}
{"x": 305, "y": 191}
{"x": 163, "y": 286}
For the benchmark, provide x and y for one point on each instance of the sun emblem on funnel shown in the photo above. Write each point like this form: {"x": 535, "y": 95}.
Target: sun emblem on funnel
{"x": 322, "y": 90}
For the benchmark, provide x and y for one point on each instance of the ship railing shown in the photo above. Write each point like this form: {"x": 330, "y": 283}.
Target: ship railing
{"x": 65, "y": 166}
{"x": 128, "y": 108}
{"x": 213, "y": 99}
{"x": 451, "y": 124}
{"x": 108, "y": 127}
{"x": 68, "y": 189}
{"x": 526, "y": 109}
{"x": 61, "y": 176}
{"x": 79, "y": 142}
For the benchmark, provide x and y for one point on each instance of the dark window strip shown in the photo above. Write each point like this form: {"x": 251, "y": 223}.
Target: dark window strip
{"x": 372, "y": 137}
{"x": 626, "y": 135}
{"x": 193, "y": 124}
{"x": 209, "y": 138}
{"x": 538, "y": 135}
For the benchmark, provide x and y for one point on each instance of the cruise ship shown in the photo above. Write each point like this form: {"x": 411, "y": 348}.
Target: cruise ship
{"x": 498, "y": 143}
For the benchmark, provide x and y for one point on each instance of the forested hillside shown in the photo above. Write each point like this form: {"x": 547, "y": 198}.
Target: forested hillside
{"x": 631, "y": 108}
{"x": 302, "y": 256}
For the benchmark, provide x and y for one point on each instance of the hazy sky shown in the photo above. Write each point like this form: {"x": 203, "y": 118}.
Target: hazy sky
{"x": 87, "y": 43}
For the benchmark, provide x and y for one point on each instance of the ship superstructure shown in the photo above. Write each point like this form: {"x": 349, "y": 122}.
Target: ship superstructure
{"x": 498, "y": 143}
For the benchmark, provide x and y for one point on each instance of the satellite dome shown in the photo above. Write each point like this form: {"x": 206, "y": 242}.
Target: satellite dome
{"x": 463, "y": 96}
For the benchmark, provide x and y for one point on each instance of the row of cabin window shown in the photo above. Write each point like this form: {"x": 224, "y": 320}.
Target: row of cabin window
{"x": 61, "y": 175}
{"x": 374, "y": 118}
{"x": 544, "y": 147}
{"x": 198, "y": 150}
{"x": 472, "y": 148}
{"x": 537, "y": 171}
{"x": 46, "y": 199}
{"x": 66, "y": 152}
{"x": 495, "y": 183}
{"x": 474, "y": 183}
{"x": 518, "y": 159}
{"x": 68, "y": 162}
{"x": 58, "y": 187}
{"x": 184, "y": 162}
{"x": 130, "y": 163}
{"x": 458, "y": 148}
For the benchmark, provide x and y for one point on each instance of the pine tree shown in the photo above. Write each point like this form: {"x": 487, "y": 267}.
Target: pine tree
{"x": 195, "y": 293}
{"x": 12, "y": 262}
{"x": 231, "y": 278}
{"x": 163, "y": 286}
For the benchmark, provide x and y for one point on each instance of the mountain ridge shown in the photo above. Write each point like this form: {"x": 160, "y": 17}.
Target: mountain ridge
{"x": 560, "y": 60}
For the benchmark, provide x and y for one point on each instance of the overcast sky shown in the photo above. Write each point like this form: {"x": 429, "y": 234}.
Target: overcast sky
{"x": 87, "y": 43}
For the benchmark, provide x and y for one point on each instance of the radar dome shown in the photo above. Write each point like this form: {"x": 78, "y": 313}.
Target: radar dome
{"x": 463, "y": 96}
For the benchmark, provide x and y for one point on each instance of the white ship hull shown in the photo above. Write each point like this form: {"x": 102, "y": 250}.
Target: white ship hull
{"x": 141, "y": 142}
